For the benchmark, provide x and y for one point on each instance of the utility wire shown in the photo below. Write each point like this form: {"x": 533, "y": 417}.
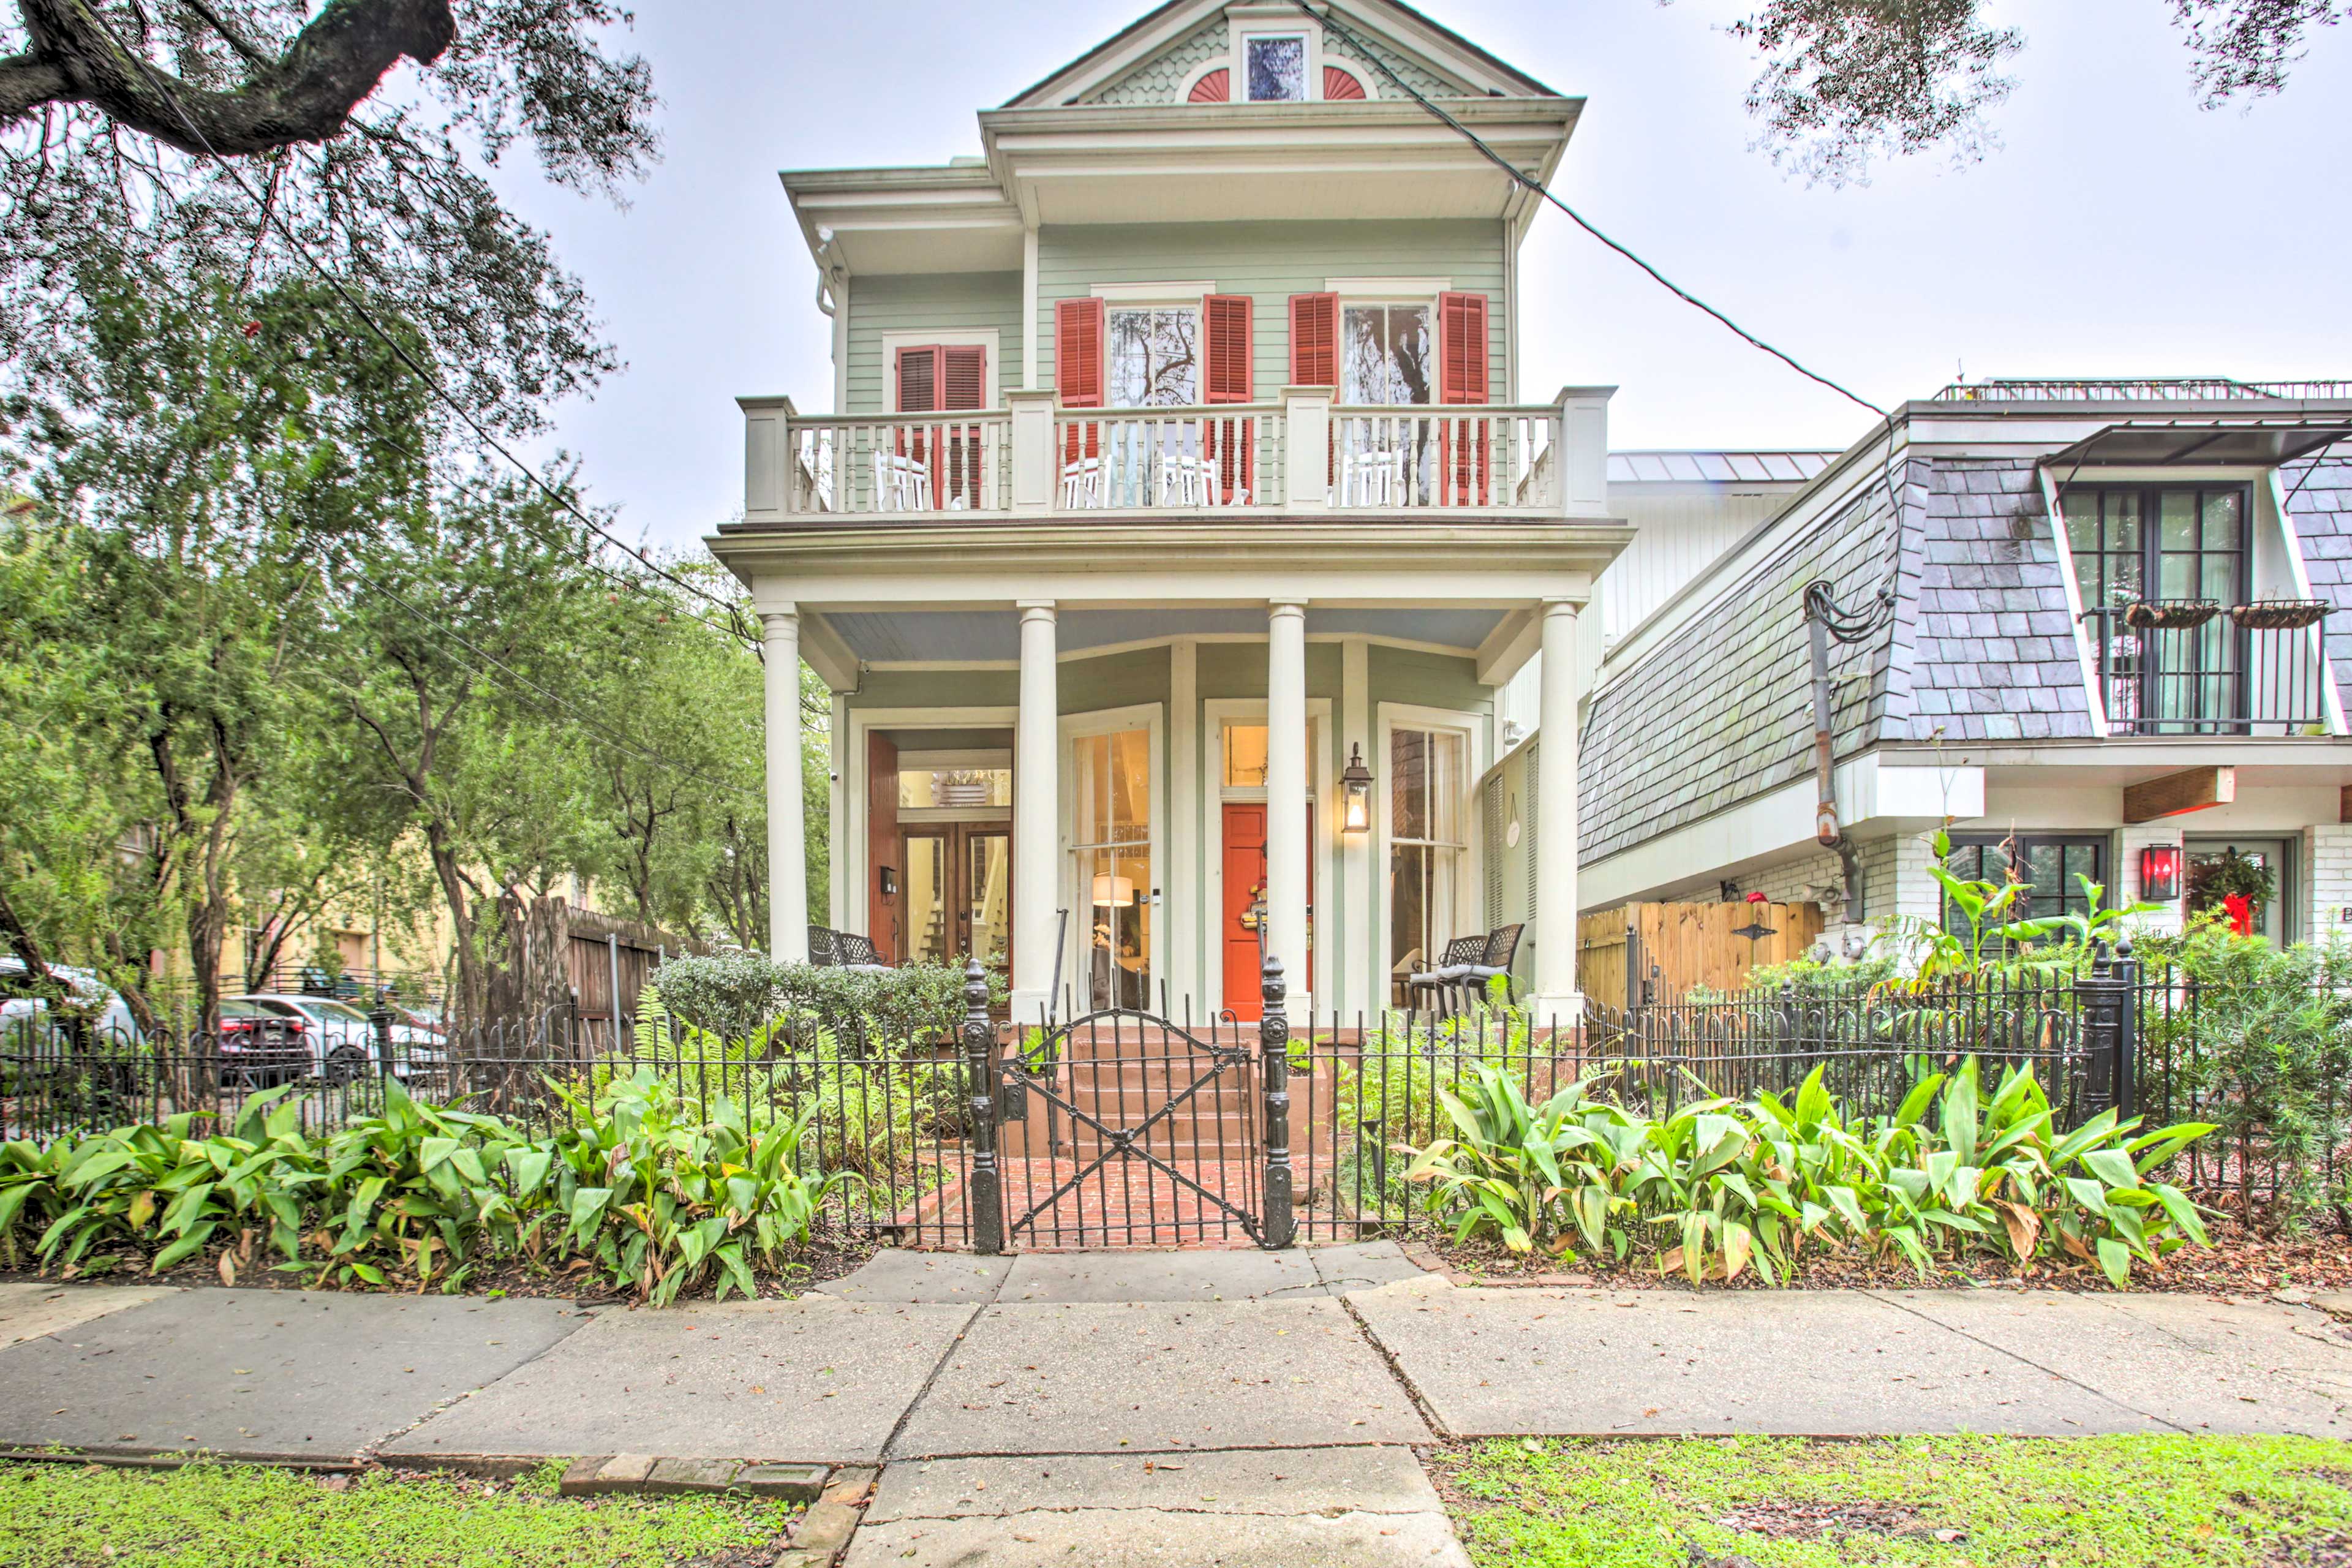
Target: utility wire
{"x": 270, "y": 218}
{"x": 1521, "y": 177}
{"x": 1819, "y": 596}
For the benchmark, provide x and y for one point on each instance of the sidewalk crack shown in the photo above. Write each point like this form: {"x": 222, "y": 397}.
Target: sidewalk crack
{"x": 898, "y": 1428}
{"x": 2027, "y": 1360}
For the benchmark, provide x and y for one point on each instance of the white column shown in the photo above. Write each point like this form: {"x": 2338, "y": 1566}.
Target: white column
{"x": 1036, "y": 814}
{"x": 787, "y": 849}
{"x": 1286, "y": 799}
{"x": 1556, "y": 996}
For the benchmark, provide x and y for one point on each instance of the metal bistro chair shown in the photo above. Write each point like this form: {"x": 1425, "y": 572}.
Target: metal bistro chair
{"x": 1445, "y": 982}
{"x": 1501, "y": 946}
{"x": 900, "y": 483}
{"x": 830, "y": 949}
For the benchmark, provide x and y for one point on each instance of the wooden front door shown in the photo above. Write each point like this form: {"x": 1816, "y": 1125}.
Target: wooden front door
{"x": 958, "y": 893}
{"x": 1244, "y": 865}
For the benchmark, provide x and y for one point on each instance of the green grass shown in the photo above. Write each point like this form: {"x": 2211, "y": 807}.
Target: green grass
{"x": 226, "y": 1516}
{"x": 2133, "y": 1502}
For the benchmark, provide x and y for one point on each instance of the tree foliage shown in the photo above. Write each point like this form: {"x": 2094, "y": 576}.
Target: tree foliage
{"x": 1847, "y": 81}
{"x": 175, "y": 139}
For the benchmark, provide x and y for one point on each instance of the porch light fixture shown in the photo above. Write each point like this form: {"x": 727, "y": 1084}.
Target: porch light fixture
{"x": 1356, "y": 793}
{"x": 2159, "y": 872}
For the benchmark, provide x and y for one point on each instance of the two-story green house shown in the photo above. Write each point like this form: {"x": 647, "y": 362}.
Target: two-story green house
{"x": 1178, "y": 516}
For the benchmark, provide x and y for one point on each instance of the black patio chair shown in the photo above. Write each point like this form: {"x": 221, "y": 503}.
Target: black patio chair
{"x": 1501, "y": 946}
{"x": 858, "y": 955}
{"x": 825, "y": 946}
{"x": 1445, "y": 981}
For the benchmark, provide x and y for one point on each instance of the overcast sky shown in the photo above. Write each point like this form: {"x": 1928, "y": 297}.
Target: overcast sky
{"x": 2117, "y": 230}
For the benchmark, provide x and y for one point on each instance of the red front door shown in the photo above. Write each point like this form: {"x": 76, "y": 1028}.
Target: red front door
{"x": 1244, "y": 906}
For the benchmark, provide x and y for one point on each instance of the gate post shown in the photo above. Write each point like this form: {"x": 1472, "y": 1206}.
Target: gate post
{"x": 2101, "y": 1004}
{"x": 1280, "y": 1223}
{"x": 985, "y": 1184}
{"x": 2126, "y": 1081}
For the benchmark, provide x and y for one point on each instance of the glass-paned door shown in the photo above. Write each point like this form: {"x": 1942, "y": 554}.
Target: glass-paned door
{"x": 2050, "y": 865}
{"x": 1427, "y": 840}
{"x": 1116, "y": 891}
{"x": 959, "y": 893}
{"x": 2163, "y": 545}
{"x": 2243, "y": 882}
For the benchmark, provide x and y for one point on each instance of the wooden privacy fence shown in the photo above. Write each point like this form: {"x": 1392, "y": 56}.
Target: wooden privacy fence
{"x": 1677, "y": 947}
{"x": 559, "y": 959}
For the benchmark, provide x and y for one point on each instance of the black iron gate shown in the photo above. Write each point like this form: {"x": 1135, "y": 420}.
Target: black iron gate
{"x": 1126, "y": 1128}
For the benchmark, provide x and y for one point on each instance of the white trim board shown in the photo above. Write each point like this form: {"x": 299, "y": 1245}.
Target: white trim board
{"x": 1152, "y": 293}
{"x": 1364, "y": 289}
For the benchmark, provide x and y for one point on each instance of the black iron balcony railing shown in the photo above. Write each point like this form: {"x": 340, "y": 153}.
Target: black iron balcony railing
{"x": 2193, "y": 667}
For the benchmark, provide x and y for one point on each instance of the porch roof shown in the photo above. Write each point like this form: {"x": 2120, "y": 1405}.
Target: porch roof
{"x": 993, "y": 636}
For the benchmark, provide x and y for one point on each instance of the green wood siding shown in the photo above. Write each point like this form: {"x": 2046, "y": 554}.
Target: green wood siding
{"x": 944, "y": 301}
{"x": 1270, "y": 262}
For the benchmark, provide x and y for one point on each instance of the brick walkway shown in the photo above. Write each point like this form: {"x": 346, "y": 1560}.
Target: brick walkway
{"x": 1127, "y": 1203}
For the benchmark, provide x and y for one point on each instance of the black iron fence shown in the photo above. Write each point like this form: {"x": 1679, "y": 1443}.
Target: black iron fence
{"x": 1124, "y": 1128}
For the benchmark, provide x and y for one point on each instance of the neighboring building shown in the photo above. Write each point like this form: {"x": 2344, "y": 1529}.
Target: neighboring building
{"x": 1178, "y": 462}
{"x": 2009, "y": 689}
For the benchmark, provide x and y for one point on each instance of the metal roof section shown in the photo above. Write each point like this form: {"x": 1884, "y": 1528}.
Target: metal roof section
{"x": 2143, "y": 389}
{"x": 2163, "y": 442}
{"x": 1675, "y": 467}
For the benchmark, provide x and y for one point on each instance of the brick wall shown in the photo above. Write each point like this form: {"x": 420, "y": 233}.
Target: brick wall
{"x": 2328, "y": 853}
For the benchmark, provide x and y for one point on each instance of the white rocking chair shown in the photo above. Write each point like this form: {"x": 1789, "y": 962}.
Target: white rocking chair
{"x": 900, "y": 484}
{"x": 1082, "y": 484}
{"x": 1187, "y": 481}
{"x": 1372, "y": 479}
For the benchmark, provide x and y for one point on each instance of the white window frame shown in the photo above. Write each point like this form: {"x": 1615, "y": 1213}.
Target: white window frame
{"x": 1469, "y": 886}
{"x": 991, "y": 391}
{"x": 1217, "y": 712}
{"x": 988, "y": 759}
{"x": 1074, "y": 727}
{"x": 1294, "y": 25}
{"x": 852, "y": 908}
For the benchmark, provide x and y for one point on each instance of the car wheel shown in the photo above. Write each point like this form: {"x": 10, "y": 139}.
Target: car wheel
{"x": 345, "y": 1064}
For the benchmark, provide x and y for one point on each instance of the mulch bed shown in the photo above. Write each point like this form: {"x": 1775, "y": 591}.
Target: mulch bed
{"x": 2240, "y": 1263}
{"x": 825, "y": 1257}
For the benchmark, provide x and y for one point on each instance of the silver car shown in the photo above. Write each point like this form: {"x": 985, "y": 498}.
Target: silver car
{"x": 342, "y": 1041}
{"x": 23, "y": 1017}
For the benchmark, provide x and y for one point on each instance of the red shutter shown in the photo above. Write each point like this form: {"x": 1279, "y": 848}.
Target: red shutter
{"x": 1078, "y": 352}
{"x": 1079, "y": 331}
{"x": 1225, "y": 325}
{"x": 963, "y": 378}
{"x": 1462, "y": 378}
{"x": 1462, "y": 344}
{"x": 1315, "y": 340}
{"x": 1339, "y": 85}
{"x": 1215, "y": 87}
{"x": 919, "y": 379}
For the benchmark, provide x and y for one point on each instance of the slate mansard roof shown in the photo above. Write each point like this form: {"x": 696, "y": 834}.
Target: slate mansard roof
{"x": 1715, "y": 709}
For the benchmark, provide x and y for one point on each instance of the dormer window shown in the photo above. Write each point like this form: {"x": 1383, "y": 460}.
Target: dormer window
{"x": 1274, "y": 67}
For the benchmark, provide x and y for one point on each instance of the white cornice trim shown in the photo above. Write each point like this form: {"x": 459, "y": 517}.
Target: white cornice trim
{"x": 1388, "y": 288}
{"x": 1155, "y": 293}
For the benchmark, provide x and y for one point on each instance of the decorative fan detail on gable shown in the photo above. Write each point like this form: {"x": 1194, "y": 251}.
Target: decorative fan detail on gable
{"x": 1217, "y": 86}
{"x": 1339, "y": 84}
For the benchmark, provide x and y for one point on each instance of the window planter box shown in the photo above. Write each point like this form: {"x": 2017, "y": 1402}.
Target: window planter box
{"x": 2280, "y": 615}
{"x": 2170, "y": 615}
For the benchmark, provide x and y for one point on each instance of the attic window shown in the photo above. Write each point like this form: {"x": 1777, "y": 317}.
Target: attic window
{"x": 1276, "y": 67}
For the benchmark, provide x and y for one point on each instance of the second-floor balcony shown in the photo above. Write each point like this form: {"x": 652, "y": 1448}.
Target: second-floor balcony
{"x": 1301, "y": 454}
{"x": 2195, "y": 667}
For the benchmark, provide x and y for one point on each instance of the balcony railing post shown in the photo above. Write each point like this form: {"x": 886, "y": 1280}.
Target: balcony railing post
{"x": 1581, "y": 461}
{"x": 1307, "y": 468}
{"x": 767, "y": 457}
{"x": 1033, "y": 467}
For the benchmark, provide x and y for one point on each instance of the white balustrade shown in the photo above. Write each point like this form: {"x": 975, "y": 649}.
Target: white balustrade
{"x": 1539, "y": 460}
{"x": 1199, "y": 458}
{"x": 898, "y": 464}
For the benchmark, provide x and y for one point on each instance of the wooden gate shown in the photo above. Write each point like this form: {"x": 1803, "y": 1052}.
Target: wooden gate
{"x": 1675, "y": 949}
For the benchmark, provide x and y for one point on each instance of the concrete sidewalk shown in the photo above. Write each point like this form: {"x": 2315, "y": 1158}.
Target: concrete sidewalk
{"x": 1288, "y": 1387}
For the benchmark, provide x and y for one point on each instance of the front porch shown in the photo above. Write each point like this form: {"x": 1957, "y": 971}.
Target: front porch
{"x": 1075, "y": 761}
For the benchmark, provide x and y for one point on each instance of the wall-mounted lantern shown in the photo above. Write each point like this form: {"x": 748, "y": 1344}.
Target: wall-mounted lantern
{"x": 2159, "y": 872}
{"x": 1356, "y": 793}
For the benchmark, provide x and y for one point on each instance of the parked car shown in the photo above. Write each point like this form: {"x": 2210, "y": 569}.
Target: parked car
{"x": 24, "y": 1015}
{"x": 260, "y": 1049}
{"x": 341, "y": 1042}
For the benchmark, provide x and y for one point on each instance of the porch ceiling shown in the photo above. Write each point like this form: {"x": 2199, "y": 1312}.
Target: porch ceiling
{"x": 963, "y": 637}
